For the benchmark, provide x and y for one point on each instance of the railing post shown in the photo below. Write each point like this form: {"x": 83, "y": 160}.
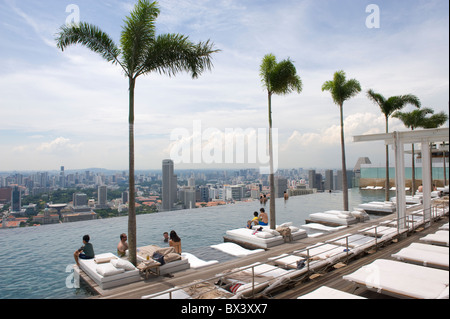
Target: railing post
{"x": 253, "y": 281}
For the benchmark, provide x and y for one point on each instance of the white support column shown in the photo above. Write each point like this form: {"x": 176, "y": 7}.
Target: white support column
{"x": 400, "y": 181}
{"x": 426, "y": 179}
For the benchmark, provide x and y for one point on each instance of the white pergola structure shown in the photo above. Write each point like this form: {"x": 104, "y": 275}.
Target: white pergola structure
{"x": 398, "y": 140}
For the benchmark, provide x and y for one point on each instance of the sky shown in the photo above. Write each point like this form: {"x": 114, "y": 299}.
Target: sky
{"x": 71, "y": 108}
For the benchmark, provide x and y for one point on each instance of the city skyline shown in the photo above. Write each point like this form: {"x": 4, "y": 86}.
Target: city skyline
{"x": 71, "y": 109}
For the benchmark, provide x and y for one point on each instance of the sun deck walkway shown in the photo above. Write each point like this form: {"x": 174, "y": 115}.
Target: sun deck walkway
{"x": 331, "y": 277}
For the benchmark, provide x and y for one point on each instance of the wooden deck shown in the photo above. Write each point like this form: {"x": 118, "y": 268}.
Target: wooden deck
{"x": 331, "y": 278}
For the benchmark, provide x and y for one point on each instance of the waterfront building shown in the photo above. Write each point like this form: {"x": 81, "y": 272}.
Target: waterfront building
{"x": 328, "y": 185}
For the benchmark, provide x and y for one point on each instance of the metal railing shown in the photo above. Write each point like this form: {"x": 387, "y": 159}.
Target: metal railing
{"x": 315, "y": 261}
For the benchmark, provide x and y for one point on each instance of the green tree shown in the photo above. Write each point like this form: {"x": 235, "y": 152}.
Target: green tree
{"x": 388, "y": 107}
{"x": 418, "y": 119}
{"x": 140, "y": 52}
{"x": 341, "y": 90}
{"x": 278, "y": 78}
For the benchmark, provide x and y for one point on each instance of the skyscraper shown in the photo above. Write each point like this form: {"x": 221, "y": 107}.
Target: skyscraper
{"x": 16, "y": 202}
{"x": 102, "y": 196}
{"x": 169, "y": 185}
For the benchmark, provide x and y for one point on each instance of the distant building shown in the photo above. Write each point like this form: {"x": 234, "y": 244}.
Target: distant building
{"x": 125, "y": 197}
{"x": 5, "y": 194}
{"x": 16, "y": 199}
{"x": 80, "y": 199}
{"x": 187, "y": 196}
{"x": 46, "y": 218}
{"x": 169, "y": 185}
{"x": 237, "y": 192}
{"x": 102, "y": 197}
{"x": 281, "y": 186}
{"x": 328, "y": 185}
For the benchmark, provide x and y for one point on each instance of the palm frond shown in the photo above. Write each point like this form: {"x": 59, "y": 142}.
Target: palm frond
{"x": 341, "y": 89}
{"x": 90, "y": 36}
{"x": 267, "y": 65}
{"x": 284, "y": 78}
{"x": 279, "y": 78}
{"x": 435, "y": 121}
{"x": 173, "y": 53}
{"x": 413, "y": 119}
{"x": 138, "y": 34}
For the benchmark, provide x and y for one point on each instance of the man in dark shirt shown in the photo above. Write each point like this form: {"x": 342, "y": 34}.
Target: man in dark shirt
{"x": 86, "y": 251}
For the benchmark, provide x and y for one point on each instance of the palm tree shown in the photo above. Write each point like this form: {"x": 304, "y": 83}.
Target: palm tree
{"x": 140, "y": 52}
{"x": 388, "y": 107}
{"x": 413, "y": 120}
{"x": 341, "y": 90}
{"x": 435, "y": 121}
{"x": 278, "y": 78}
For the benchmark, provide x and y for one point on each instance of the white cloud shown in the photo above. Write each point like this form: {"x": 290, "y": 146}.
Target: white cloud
{"x": 59, "y": 144}
{"x": 76, "y": 102}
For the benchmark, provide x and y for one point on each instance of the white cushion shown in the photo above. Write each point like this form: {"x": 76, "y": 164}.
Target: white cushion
{"x": 264, "y": 235}
{"x": 286, "y": 224}
{"x": 108, "y": 270}
{"x": 123, "y": 264}
{"x": 271, "y": 231}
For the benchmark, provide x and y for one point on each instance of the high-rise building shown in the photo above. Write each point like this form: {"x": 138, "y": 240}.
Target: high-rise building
{"x": 169, "y": 185}
{"x": 281, "y": 186}
{"x": 80, "y": 199}
{"x": 102, "y": 196}
{"x": 328, "y": 180}
{"x": 15, "y": 199}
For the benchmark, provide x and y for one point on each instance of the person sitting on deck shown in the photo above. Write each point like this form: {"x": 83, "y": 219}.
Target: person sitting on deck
{"x": 85, "y": 252}
{"x": 255, "y": 219}
{"x": 263, "y": 218}
{"x": 175, "y": 242}
{"x": 122, "y": 246}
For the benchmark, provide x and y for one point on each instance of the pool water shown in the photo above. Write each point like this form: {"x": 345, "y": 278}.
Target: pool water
{"x": 36, "y": 262}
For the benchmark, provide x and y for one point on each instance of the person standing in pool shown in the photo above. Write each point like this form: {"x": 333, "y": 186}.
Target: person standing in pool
{"x": 263, "y": 218}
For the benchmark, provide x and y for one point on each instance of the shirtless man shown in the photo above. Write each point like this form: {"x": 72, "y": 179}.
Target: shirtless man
{"x": 122, "y": 246}
{"x": 264, "y": 219}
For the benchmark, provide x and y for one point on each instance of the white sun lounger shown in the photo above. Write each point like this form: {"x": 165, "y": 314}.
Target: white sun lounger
{"x": 329, "y": 293}
{"x": 402, "y": 280}
{"x": 106, "y": 275}
{"x": 261, "y": 239}
{"x": 353, "y": 241}
{"x": 438, "y": 238}
{"x": 324, "y": 251}
{"x": 426, "y": 255}
{"x": 196, "y": 262}
{"x": 236, "y": 250}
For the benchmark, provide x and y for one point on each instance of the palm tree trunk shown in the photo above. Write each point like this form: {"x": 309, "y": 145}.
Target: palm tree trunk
{"x": 131, "y": 201}
{"x": 386, "y": 184}
{"x": 413, "y": 173}
{"x": 271, "y": 175}
{"x": 344, "y": 166}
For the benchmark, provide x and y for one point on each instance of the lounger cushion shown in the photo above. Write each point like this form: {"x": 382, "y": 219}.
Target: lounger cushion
{"x": 171, "y": 257}
{"x": 122, "y": 264}
{"x": 102, "y": 260}
{"x": 399, "y": 278}
{"x": 264, "y": 235}
{"x": 108, "y": 269}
